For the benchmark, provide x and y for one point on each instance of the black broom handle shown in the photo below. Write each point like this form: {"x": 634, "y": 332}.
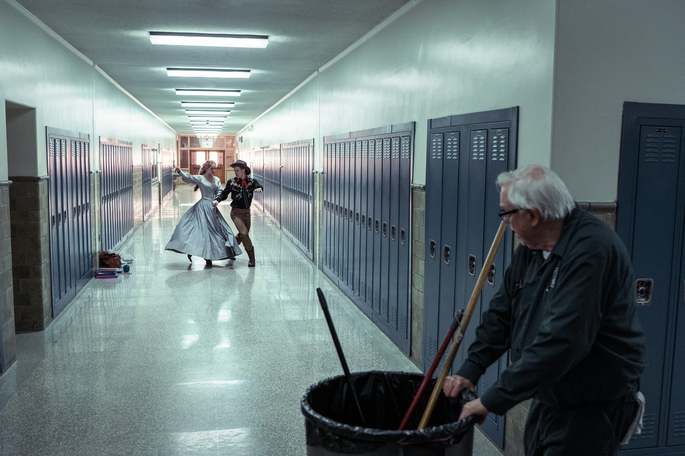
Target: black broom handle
{"x": 341, "y": 355}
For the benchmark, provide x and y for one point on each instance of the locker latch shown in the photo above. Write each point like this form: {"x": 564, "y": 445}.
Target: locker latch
{"x": 393, "y": 232}
{"x": 432, "y": 248}
{"x": 446, "y": 252}
{"x": 378, "y": 226}
{"x": 403, "y": 236}
{"x": 385, "y": 229}
{"x": 643, "y": 291}
{"x": 472, "y": 265}
{"x": 491, "y": 275}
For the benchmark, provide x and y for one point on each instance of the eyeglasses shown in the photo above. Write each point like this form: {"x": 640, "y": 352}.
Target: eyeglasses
{"x": 505, "y": 214}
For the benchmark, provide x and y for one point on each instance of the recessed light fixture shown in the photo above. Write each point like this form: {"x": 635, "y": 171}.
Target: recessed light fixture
{"x": 208, "y": 73}
{"x": 207, "y": 122}
{"x": 209, "y": 39}
{"x": 193, "y": 112}
{"x": 208, "y": 104}
{"x": 202, "y": 117}
{"x": 208, "y": 92}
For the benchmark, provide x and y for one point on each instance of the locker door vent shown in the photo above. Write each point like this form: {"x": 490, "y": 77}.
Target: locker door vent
{"x": 478, "y": 146}
{"x": 661, "y": 145}
{"x": 678, "y": 429}
{"x": 648, "y": 428}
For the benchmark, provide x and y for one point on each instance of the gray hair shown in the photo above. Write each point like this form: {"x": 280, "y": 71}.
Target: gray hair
{"x": 538, "y": 187}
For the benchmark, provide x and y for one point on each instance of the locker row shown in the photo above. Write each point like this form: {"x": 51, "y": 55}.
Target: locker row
{"x": 366, "y": 223}
{"x": 116, "y": 191}
{"x": 465, "y": 155}
{"x": 148, "y": 154}
{"x": 286, "y": 174}
{"x": 70, "y": 219}
{"x": 167, "y": 180}
{"x": 297, "y": 192}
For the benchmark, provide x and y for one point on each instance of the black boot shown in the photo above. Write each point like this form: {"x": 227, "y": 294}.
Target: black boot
{"x": 190, "y": 258}
{"x": 208, "y": 263}
{"x": 250, "y": 255}
{"x": 231, "y": 253}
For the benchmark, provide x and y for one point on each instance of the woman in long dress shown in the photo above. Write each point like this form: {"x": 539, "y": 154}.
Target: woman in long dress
{"x": 203, "y": 231}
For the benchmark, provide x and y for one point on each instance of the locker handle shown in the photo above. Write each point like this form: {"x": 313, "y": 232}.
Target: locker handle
{"x": 491, "y": 275}
{"x": 385, "y": 229}
{"x": 378, "y": 226}
{"x": 356, "y": 217}
{"x": 403, "y": 236}
{"x": 472, "y": 265}
{"x": 446, "y": 253}
{"x": 369, "y": 223}
{"x": 432, "y": 248}
{"x": 644, "y": 288}
{"x": 393, "y": 232}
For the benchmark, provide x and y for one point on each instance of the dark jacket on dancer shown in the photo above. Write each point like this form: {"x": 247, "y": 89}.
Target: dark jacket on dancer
{"x": 241, "y": 192}
{"x": 576, "y": 344}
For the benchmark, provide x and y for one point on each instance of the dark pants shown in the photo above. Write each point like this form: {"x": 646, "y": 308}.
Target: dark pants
{"x": 594, "y": 430}
{"x": 242, "y": 220}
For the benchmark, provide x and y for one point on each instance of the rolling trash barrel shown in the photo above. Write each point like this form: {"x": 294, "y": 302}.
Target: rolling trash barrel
{"x": 333, "y": 425}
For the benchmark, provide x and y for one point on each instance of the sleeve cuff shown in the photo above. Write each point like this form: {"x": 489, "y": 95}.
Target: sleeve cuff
{"x": 495, "y": 402}
{"x": 470, "y": 371}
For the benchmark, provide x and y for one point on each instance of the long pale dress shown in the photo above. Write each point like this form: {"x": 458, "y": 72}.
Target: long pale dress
{"x": 203, "y": 231}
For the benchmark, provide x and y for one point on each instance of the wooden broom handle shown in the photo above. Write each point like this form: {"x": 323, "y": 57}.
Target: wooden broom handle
{"x": 459, "y": 335}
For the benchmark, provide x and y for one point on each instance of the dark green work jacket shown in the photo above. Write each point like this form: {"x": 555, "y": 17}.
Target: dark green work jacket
{"x": 570, "y": 322}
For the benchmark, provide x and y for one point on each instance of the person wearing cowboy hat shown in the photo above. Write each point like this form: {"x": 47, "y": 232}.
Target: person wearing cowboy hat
{"x": 241, "y": 189}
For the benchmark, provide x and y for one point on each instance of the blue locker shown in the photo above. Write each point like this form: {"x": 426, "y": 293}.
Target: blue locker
{"x": 377, "y": 241}
{"x": 449, "y": 301}
{"x": 405, "y": 239}
{"x": 338, "y": 211}
{"x": 347, "y": 188}
{"x": 433, "y": 243}
{"x": 651, "y": 222}
{"x": 385, "y": 228}
{"x": 370, "y": 222}
{"x": 363, "y": 214}
{"x": 357, "y": 220}
{"x": 393, "y": 233}
{"x": 497, "y": 162}
{"x": 328, "y": 205}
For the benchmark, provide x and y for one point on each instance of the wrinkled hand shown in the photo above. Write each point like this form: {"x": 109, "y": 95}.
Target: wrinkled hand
{"x": 474, "y": 408}
{"x": 215, "y": 203}
{"x": 454, "y": 384}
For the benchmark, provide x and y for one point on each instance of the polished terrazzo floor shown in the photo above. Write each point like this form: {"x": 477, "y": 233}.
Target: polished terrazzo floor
{"x": 182, "y": 360}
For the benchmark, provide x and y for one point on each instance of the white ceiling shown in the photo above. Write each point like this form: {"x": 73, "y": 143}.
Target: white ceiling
{"x": 303, "y": 35}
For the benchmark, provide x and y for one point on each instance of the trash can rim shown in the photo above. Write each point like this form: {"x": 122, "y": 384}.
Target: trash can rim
{"x": 444, "y": 431}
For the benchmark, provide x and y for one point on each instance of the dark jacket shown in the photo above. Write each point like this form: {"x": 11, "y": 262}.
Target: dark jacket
{"x": 570, "y": 322}
{"x": 241, "y": 195}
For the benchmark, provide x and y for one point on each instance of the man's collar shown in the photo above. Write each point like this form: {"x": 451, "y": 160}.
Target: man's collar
{"x": 562, "y": 244}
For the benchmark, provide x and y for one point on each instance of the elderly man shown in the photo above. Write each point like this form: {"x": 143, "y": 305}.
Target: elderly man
{"x": 566, "y": 310}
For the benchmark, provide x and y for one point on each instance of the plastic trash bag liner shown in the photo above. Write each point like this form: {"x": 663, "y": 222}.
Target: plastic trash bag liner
{"x": 332, "y": 420}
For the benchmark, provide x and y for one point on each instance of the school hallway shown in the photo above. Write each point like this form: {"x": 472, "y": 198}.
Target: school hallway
{"x": 179, "y": 360}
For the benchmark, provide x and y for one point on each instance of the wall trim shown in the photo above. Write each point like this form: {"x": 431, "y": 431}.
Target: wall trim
{"x": 5, "y": 183}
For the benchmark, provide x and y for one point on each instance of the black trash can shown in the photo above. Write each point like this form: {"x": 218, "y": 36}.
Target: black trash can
{"x": 333, "y": 425}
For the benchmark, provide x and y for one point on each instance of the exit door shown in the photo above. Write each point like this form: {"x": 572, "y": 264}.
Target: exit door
{"x": 651, "y": 215}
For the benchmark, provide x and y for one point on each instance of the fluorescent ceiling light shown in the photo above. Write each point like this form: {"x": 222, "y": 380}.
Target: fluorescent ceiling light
{"x": 206, "y": 122}
{"x": 208, "y": 92}
{"x": 193, "y": 112}
{"x": 207, "y": 73}
{"x": 208, "y": 104}
{"x": 209, "y": 39}
{"x": 202, "y": 118}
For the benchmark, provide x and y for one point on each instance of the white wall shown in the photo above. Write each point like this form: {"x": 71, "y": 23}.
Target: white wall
{"x": 441, "y": 57}
{"x": 608, "y": 52}
{"x": 67, "y": 92}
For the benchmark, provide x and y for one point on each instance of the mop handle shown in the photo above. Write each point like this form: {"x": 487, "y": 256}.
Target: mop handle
{"x": 338, "y": 348}
{"x": 429, "y": 373}
{"x": 461, "y": 330}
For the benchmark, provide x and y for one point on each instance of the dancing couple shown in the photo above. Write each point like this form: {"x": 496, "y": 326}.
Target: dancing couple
{"x": 203, "y": 231}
